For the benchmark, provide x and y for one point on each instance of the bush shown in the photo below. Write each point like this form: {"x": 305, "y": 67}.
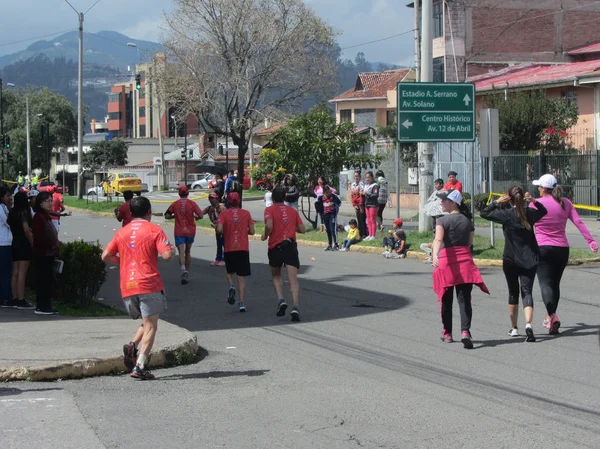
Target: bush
{"x": 481, "y": 201}
{"x": 83, "y": 274}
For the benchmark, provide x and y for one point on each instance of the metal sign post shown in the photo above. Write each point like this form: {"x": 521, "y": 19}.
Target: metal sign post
{"x": 490, "y": 138}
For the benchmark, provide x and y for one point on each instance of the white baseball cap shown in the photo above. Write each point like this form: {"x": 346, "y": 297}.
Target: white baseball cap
{"x": 546, "y": 181}
{"x": 452, "y": 195}
{"x": 33, "y": 193}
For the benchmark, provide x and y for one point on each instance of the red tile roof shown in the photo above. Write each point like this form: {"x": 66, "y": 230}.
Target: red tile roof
{"x": 375, "y": 84}
{"x": 589, "y": 48}
{"x": 529, "y": 75}
{"x": 268, "y": 131}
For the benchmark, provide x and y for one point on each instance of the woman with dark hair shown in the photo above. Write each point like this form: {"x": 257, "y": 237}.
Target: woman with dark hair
{"x": 5, "y": 248}
{"x": 521, "y": 252}
{"x": 19, "y": 219}
{"x": 371, "y": 194}
{"x": 318, "y": 204}
{"x": 358, "y": 202}
{"x": 292, "y": 192}
{"x": 382, "y": 199}
{"x": 553, "y": 243}
{"x": 45, "y": 250}
{"x": 454, "y": 267}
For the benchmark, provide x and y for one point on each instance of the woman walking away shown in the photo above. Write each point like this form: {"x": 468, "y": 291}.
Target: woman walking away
{"x": 454, "y": 267}
{"x": 553, "y": 243}
{"x": 382, "y": 199}
{"x": 45, "y": 249}
{"x": 371, "y": 194}
{"x": 6, "y": 238}
{"x": 521, "y": 252}
{"x": 330, "y": 203}
{"x": 19, "y": 219}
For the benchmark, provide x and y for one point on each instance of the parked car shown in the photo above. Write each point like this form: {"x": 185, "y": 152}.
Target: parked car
{"x": 203, "y": 183}
{"x": 44, "y": 186}
{"x": 262, "y": 184}
{"x": 145, "y": 187}
{"x": 96, "y": 190}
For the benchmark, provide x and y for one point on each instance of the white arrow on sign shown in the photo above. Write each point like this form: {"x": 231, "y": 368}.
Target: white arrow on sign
{"x": 407, "y": 124}
{"x": 467, "y": 99}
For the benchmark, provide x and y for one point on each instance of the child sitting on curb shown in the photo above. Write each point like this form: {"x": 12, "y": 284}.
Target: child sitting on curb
{"x": 353, "y": 235}
{"x": 395, "y": 244}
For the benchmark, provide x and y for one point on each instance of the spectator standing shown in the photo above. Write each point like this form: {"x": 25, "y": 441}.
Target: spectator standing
{"x": 382, "y": 199}
{"x": 6, "y": 238}
{"x": 281, "y": 224}
{"x": 353, "y": 235}
{"x": 45, "y": 250}
{"x": 31, "y": 197}
{"x": 219, "y": 188}
{"x": 135, "y": 248}
{"x": 358, "y": 203}
{"x": 213, "y": 211}
{"x": 433, "y": 208}
{"x": 330, "y": 203}
{"x": 371, "y": 195}
{"x": 269, "y": 196}
{"x": 123, "y": 212}
{"x": 319, "y": 205}
{"x": 230, "y": 186}
{"x": 235, "y": 224}
{"x": 292, "y": 192}
{"x": 19, "y": 219}
{"x": 453, "y": 183}
{"x": 58, "y": 208}
{"x": 185, "y": 212}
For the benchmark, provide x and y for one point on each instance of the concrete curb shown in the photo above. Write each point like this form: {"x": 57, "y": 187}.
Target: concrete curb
{"x": 183, "y": 353}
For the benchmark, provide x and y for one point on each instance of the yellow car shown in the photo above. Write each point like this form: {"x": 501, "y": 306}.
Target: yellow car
{"x": 117, "y": 183}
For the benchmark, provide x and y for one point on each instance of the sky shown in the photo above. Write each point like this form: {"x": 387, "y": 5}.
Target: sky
{"x": 357, "y": 21}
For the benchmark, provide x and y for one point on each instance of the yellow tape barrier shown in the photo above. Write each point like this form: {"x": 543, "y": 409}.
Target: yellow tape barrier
{"x": 576, "y": 206}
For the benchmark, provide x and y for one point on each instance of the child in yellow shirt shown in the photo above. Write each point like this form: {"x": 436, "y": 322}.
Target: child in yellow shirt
{"x": 353, "y": 236}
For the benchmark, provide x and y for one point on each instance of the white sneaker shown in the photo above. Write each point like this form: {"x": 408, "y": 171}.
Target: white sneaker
{"x": 514, "y": 332}
{"x": 343, "y": 249}
{"x": 428, "y": 260}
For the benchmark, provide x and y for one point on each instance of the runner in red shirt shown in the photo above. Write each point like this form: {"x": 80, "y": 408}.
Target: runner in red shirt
{"x": 281, "y": 224}
{"x": 236, "y": 224}
{"x": 136, "y": 248}
{"x": 58, "y": 208}
{"x": 185, "y": 212}
{"x": 123, "y": 212}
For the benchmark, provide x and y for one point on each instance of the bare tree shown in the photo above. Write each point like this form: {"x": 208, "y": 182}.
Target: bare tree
{"x": 237, "y": 62}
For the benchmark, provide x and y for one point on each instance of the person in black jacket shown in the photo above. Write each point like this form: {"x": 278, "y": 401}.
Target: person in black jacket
{"x": 521, "y": 252}
{"x": 292, "y": 192}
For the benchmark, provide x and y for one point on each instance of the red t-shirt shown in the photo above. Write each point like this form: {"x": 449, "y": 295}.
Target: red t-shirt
{"x": 185, "y": 224}
{"x": 235, "y": 223}
{"x": 57, "y": 205}
{"x": 285, "y": 219}
{"x": 125, "y": 213}
{"x": 138, "y": 246}
{"x": 456, "y": 186}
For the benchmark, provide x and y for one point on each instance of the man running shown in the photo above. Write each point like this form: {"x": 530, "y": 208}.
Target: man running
{"x": 185, "y": 212}
{"x": 236, "y": 224}
{"x": 281, "y": 224}
{"x": 136, "y": 248}
{"x": 123, "y": 212}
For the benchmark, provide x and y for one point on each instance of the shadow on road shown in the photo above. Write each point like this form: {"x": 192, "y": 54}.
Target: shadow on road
{"x": 216, "y": 374}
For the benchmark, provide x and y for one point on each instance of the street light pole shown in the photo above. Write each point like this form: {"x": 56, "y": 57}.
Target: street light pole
{"x": 28, "y": 137}
{"x": 1, "y": 128}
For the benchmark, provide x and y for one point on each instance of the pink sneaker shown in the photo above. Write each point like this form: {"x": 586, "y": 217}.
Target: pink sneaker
{"x": 546, "y": 322}
{"x": 214, "y": 263}
{"x": 221, "y": 263}
{"x": 554, "y": 325}
{"x": 447, "y": 338}
{"x": 465, "y": 338}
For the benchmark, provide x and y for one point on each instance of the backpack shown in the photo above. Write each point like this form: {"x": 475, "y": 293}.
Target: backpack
{"x": 235, "y": 186}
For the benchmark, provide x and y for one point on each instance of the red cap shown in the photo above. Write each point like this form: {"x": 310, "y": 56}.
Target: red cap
{"x": 233, "y": 199}
{"x": 183, "y": 191}
{"x": 398, "y": 221}
{"x": 213, "y": 195}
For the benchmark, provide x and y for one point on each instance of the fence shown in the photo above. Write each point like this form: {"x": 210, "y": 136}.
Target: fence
{"x": 387, "y": 149}
{"x": 464, "y": 159}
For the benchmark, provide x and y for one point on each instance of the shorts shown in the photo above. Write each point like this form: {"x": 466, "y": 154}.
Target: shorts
{"x": 284, "y": 254}
{"x": 145, "y": 305}
{"x": 21, "y": 252}
{"x": 238, "y": 262}
{"x": 183, "y": 240}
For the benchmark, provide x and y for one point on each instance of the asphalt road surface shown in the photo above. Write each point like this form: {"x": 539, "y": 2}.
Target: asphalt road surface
{"x": 364, "y": 369}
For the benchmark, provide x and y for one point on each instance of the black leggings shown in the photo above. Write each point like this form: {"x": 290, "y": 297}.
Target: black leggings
{"x": 515, "y": 274}
{"x": 361, "y": 218}
{"x": 380, "y": 214}
{"x": 553, "y": 261}
{"x": 463, "y": 295}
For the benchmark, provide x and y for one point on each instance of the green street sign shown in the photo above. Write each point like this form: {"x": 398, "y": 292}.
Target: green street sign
{"x": 436, "y": 112}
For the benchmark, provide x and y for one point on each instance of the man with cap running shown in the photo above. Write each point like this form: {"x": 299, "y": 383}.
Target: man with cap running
{"x": 185, "y": 212}
{"x": 453, "y": 183}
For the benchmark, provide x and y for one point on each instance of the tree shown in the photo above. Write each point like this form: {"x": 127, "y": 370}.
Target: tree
{"x": 314, "y": 146}
{"x": 237, "y": 62}
{"x": 528, "y": 118}
{"x": 106, "y": 154}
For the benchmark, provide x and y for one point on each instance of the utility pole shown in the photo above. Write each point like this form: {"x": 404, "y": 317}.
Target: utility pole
{"x": 28, "y": 138}
{"x": 417, "y": 7}
{"x": 425, "y": 152}
{"x": 186, "y": 152}
{"x": 2, "y": 129}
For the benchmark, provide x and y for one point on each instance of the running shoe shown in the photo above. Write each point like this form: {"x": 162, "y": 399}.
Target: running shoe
{"x": 231, "y": 296}
{"x": 295, "y": 314}
{"x": 466, "y": 339}
{"x": 447, "y": 338}
{"x": 530, "y": 338}
{"x": 130, "y": 354}
{"x": 554, "y": 325}
{"x": 142, "y": 374}
{"x": 328, "y": 248}
{"x": 281, "y": 307}
{"x": 336, "y": 248}
{"x": 8, "y": 304}
{"x": 184, "y": 277}
{"x": 21, "y": 304}
{"x": 221, "y": 263}
{"x": 214, "y": 263}
{"x": 241, "y": 307}
{"x": 514, "y": 332}
{"x": 48, "y": 311}
{"x": 546, "y": 322}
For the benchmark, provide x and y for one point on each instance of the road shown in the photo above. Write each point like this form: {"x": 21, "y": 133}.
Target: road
{"x": 365, "y": 368}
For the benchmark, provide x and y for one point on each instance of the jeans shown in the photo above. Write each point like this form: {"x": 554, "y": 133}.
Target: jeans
{"x": 6, "y": 267}
{"x": 371, "y": 220}
{"x": 348, "y": 243}
{"x": 514, "y": 275}
{"x": 331, "y": 228}
{"x": 426, "y": 249}
{"x": 553, "y": 261}
{"x": 44, "y": 280}
{"x": 220, "y": 243}
{"x": 463, "y": 295}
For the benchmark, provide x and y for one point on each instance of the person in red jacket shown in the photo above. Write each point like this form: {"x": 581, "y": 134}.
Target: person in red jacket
{"x": 453, "y": 183}
{"x": 123, "y": 212}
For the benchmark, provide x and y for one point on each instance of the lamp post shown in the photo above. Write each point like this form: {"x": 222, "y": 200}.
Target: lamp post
{"x": 1, "y": 128}
{"x": 45, "y": 134}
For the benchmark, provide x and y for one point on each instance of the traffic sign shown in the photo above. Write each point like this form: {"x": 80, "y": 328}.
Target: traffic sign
{"x": 436, "y": 112}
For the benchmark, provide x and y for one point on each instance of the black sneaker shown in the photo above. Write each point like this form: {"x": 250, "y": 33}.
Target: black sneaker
{"x": 529, "y": 337}
{"x": 295, "y": 314}
{"x": 49, "y": 311}
{"x": 466, "y": 339}
{"x": 142, "y": 374}
{"x": 21, "y": 304}
{"x": 329, "y": 248}
{"x": 231, "y": 296}
{"x": 336, "y": 248}
{"x": 130, "y": 354}
{"x": 8, "y": 304}
{"x": 281, "y": 307}
{"x": 184, "y": 277}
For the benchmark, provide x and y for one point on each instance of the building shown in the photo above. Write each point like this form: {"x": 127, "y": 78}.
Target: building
{"x": 472, "y": 37}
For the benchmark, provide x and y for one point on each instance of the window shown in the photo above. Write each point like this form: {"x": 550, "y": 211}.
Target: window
{"x": 143, "y": 111}
{"x": 142, "y": 130}
{"x": 390, "y": 117}
{"x": 143, "y": 92}
{"x": 570, "y": 96}
{"x": 438, "y": 19}
{"x": 438, "y": 70}
{"x": 114, "y": 116}
{"x": 114, "y": 98}
{"x": 346, "y": 115}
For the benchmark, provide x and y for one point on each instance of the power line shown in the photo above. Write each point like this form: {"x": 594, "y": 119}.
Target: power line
{"x": 34, "y": 38}
{"x": 379, "y": 40}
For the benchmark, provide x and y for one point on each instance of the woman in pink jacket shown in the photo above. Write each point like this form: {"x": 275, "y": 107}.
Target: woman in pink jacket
{"x": 553, "y": 243}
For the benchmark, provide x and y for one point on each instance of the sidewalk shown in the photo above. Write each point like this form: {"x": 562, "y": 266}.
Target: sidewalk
{"x": 49, "y": 348}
